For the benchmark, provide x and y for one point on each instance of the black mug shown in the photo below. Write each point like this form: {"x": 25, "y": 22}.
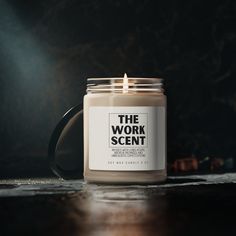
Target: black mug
{"x": 65, "y": 150}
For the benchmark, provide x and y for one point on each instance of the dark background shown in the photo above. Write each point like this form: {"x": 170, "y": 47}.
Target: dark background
{"x": 49, "y": 48}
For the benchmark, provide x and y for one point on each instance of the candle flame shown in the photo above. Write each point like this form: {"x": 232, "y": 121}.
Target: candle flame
{"x": 125, "y": 83}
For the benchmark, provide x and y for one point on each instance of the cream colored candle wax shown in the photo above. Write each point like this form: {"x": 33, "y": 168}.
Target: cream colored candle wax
{"x": 124, "y": 130}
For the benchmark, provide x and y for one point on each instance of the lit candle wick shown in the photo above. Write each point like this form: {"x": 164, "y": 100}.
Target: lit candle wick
{"x": 125, "y": 84}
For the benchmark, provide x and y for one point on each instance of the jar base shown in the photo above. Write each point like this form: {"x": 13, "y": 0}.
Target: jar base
{"x": 144, "y": 177}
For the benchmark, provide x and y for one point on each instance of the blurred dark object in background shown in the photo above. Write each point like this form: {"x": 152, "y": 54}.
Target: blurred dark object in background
{"x": 195, "y": 165}
{"x": 48, "y": 48}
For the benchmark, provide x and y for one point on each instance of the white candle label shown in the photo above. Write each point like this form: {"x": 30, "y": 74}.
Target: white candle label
{"x": 127, "y": 138}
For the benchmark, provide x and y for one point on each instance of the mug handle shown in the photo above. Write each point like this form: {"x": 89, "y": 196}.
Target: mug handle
{"x": 60, "y": 172}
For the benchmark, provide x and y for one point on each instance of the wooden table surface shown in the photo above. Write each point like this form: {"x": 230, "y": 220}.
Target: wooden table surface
{"x": 189, "y": 205}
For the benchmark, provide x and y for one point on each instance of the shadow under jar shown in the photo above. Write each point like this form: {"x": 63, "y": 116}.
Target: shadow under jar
{"x": 124, "y": 131}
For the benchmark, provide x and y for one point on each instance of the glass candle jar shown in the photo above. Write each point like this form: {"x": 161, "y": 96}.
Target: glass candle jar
{"x": 124, "y": 130}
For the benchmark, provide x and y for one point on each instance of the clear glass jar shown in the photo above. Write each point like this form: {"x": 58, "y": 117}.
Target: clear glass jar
{"x": 124, "y": 130}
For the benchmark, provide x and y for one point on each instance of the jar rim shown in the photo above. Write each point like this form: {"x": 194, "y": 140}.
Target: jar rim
{"x": 117, "y": 84}
{"x": 139, "y": 79}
